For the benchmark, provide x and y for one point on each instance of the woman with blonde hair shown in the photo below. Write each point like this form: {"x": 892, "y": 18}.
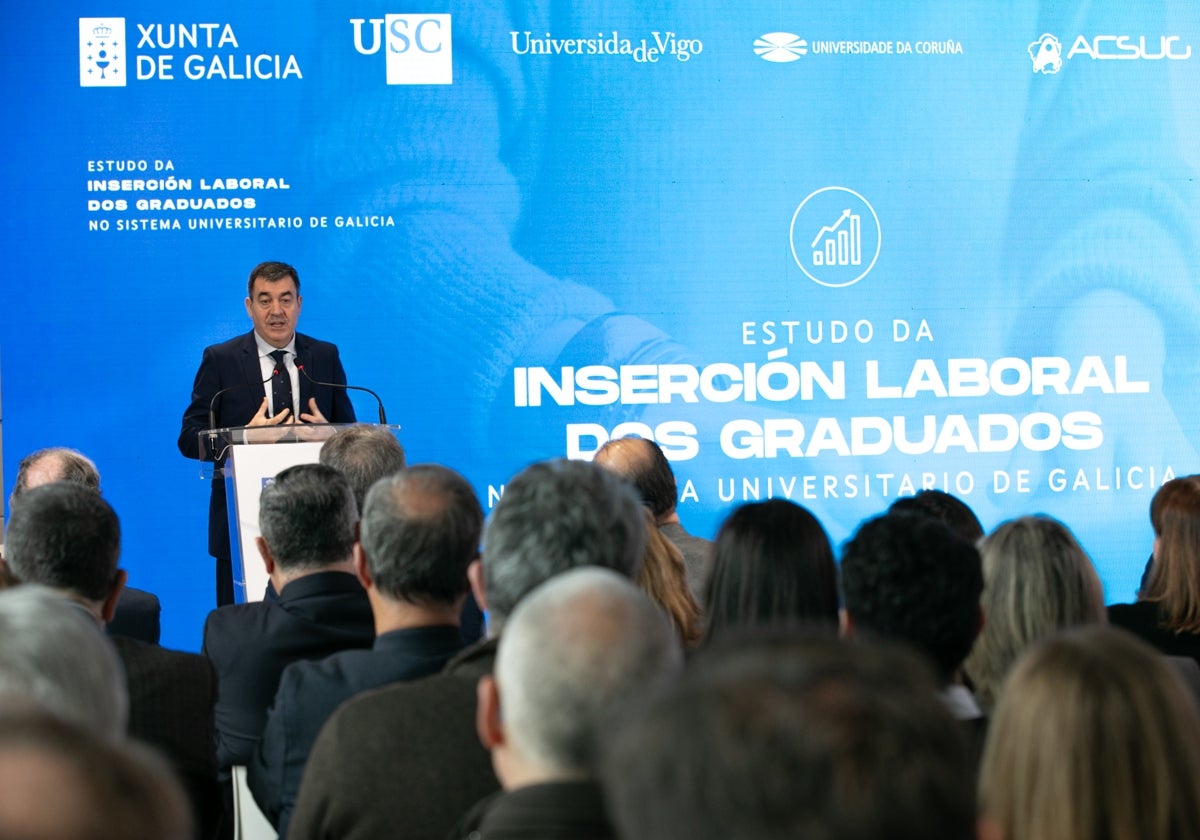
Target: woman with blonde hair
{"x": 663, "y": 577}
{"x": 1167, "y": 612}
{"x": 1093, "y": 738}
{"x": 1037, "y": 580}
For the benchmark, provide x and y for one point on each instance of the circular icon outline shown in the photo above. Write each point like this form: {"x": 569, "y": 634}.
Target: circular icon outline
{"x": 792, "y": 238}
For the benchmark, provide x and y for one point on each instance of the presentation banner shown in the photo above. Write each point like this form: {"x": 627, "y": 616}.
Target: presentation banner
{"x": 834, "y": 252}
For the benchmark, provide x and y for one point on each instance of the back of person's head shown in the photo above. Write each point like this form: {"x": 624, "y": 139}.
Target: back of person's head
{"x": 61, "y": 781}
{"x": 363, "y": 454}
{"x": 420, "y": 531}
{"x": 1037, "y": 580}
{"x": 54, "y": 464}
{"x": 773, "y": 565}
{"x": 909, "y": 578}
{"x": 56, "y": 658}
{"x": 573, "y": 652}
{"x": 642, "y": 463}
{"x": 1094, "y": 737}
{"x": 663, "y": 577}
{"x": 554, "y": 516}
{"x": 1174, "y": 579}
{"x": 950, "y": 510}
{"x": 813, "y": 738}
{"x": 307, "y": 517}
{"x": 64, "y": 536}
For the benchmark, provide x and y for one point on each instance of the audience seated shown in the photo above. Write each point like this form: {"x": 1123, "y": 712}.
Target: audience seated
{"x": 405, "y": 760}
{"x": 642, "y": 463}
{"x": 55, "y": 660}
{"x": 664, "y": 579}
{"x": 574, "y": 652}
{"x": 64, "y": 782}
{"x": 1167, "y": 612}
{"x": 138, "y": 612}
{"x": 1093, "y": 738}
{"x": 814, "y": 738}
{"x": 908, "y": 578}
{"x": 1037, "y": 580}
{"x": 773, "y": 566}
{"x": 420, "y": 531}
{"x": 171, "y": 693}
{"x": 307, "y": 518}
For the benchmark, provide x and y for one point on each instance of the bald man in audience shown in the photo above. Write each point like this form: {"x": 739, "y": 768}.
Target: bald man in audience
{"x": 574, "y": 652}
{"x": 643, "y": 463}
{"x": 138, "y": 612}
{"x": 363, "y": 454}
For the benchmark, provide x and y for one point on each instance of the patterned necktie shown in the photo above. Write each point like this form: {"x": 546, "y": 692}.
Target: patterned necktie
{"x": 281, "y": 384}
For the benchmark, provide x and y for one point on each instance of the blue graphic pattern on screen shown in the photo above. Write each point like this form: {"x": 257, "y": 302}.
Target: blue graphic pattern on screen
{"x": 837, "y": 252}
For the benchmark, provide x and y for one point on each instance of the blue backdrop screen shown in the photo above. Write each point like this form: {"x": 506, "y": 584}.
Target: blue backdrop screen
{"x": 836, "y": 252}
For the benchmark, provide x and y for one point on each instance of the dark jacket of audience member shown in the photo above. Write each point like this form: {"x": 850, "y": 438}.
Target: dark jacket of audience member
{"x": 170, "y": 692}
{"x": 307, "y": 518}
{"x": 1167, "y": 612}
{"x": 419, "y": 533}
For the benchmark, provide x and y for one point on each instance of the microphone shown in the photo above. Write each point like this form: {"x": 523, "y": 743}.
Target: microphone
{"x": 212, "y": 408}
{"x": 382, "y": 415}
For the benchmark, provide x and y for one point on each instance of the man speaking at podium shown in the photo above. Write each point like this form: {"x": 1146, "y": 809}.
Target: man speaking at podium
{"x": 270, "y": 376}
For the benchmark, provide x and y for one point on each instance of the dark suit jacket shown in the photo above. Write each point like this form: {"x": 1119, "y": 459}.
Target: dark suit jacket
{"x": 235, "y": 364}
{"x": 309, "y": 692}
{"x": 547, "y": 811}
{"x": 402, "y": 761}
{"x": 251, "y": 644}
{"x": 137, "y": 616}
{"x": 1142, "y": 618}
{"x": 171, "y": 696}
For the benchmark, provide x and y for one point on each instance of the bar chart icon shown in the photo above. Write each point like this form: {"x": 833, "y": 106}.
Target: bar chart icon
{"x": 839, "y": 243}
{"x": 835, "y": 237}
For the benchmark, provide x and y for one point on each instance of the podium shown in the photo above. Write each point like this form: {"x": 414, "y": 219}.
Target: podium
{"x": 247, "y": 459}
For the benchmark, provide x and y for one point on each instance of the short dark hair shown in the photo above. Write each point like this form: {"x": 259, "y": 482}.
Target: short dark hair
{"x": 73, "y": 466}
{"x": 307, "y": 517}
{"x": 909, "y": 578}
{"x": 554, "y": 516}
{"x": 641, "y": 462}
{"x": 420, "y": 530}
{"x": 793, "y": 738}
{"x": 952, "y": 511}
{"x": 272, "y": 270}
{"x": 773, "y": 564}
{"x": 364, "y": 454}
{"x": 64, "y": 536}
